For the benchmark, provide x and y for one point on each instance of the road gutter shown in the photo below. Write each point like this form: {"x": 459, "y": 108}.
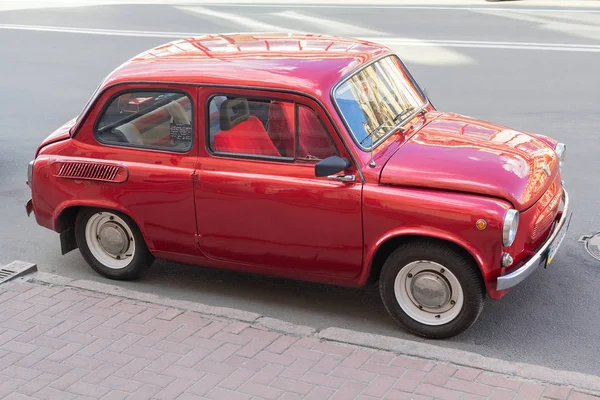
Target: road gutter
{"x": 15, "y": 269}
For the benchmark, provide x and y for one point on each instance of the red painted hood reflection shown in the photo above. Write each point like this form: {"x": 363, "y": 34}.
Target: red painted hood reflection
{"x": 459, "y": 153}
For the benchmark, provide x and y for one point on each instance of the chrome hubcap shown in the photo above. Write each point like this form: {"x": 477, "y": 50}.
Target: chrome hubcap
{"x": 110, "y": 240}
{"x": 113, "y": 238}
{"x": 428, "y": 292}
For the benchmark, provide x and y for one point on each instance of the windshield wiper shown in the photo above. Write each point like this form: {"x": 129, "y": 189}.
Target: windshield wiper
{"x": 403, "y": 113}
{"x": 373, "y": 131}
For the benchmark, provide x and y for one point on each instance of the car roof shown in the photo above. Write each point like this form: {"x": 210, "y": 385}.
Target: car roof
{"x": 306, "y": 62}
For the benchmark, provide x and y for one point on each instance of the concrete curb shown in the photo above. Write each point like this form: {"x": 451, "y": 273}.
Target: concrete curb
{"x": 464, "y": 358}
{"x": 286, "y": 327}
{"x": 113, "y": 290}
{"x": 152, "y": 298}
{"x": 579, "y": 381}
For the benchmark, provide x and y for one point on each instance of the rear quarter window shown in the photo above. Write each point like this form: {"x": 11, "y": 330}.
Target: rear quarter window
{"x": 148, "y": 119}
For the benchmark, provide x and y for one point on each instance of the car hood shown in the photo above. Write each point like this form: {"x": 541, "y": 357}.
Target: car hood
{"x": 459, "y": 153}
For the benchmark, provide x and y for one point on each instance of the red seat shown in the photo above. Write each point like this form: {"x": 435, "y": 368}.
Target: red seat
{"x": 281, "y": 127}
{"x": 246, "y": 137}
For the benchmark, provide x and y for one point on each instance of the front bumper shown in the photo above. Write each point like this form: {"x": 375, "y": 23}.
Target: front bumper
{"x": 544, "y": 255}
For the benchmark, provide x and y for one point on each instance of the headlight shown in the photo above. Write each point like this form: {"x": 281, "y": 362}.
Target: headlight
{"x": 509, "y": 230}
{"x": 561, "y": 151}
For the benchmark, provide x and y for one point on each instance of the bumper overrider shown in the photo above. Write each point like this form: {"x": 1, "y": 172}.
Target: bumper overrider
{"x": 545, "y": 254}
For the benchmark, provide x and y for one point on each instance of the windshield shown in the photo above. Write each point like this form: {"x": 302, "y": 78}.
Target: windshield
{"x": 376, "y": 99}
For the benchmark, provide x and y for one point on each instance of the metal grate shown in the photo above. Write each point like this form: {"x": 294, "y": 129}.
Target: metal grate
{"x": 5, "y": 274}
{"x": 92, "y": 171}
{"x": 15, "y": 269}
{"x": 592, "y": 244}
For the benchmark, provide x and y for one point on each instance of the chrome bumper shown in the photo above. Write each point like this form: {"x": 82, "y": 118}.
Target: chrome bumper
{"x": 543, "y": 256}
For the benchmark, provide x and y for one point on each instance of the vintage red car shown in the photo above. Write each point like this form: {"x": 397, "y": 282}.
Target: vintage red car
{"x": 307, "y": 157}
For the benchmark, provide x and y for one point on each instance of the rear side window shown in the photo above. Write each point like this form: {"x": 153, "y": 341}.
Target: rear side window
{"x": 156, "y": 120}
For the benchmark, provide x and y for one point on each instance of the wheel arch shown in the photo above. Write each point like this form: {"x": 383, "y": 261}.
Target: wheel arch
{"x": 388, "y": 244}
{"x": 65, "y": 216}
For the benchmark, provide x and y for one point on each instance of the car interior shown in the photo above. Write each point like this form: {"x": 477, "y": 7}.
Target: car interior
{"x": 267, "y": 128}
{"x": 237, "y": 125}
{"x": 149, "y": 121}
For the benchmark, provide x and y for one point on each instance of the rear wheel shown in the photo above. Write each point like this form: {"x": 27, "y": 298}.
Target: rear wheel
{"x": 112, "y": 244}
{"x": 432, "y": 289}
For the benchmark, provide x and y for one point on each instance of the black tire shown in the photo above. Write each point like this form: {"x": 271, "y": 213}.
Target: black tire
{"x": 140, "y": 260}
{"x": 459, "y": 264}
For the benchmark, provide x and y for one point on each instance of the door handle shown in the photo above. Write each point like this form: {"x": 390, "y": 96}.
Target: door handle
{"x": 343, "y": 178}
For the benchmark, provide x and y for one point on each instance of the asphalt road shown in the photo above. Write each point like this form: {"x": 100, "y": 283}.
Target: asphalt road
{"x": 552, "y": 319}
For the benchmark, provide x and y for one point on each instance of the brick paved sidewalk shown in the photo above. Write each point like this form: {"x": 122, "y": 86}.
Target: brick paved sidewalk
{"x": 64, "y": 343}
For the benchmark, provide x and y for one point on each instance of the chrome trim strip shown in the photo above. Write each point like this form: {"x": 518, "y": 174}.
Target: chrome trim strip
{"x": 343, "y": 178}
{"x": 519, "y": 275}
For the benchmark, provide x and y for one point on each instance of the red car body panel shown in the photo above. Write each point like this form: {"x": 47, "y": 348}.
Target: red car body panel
{"x": 485, "y": 150}
{"x": 278, "y": 218}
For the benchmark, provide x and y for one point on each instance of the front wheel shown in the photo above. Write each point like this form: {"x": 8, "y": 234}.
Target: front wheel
{"x": 112, "y": 244}
{"x": 431, "y": 289}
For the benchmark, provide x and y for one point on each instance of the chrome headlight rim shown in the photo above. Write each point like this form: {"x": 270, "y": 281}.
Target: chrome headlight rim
{"x": 561, "y": 152}
{"x": 510, "y": 227}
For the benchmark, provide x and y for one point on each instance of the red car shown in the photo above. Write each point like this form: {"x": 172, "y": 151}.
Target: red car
{"x": 302, "y": 156}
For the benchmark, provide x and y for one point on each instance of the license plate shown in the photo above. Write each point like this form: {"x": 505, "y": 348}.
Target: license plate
{"x": 552, "y": 249}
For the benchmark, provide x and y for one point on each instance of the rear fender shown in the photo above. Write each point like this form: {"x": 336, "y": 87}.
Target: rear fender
{"x": 68, "y": 237}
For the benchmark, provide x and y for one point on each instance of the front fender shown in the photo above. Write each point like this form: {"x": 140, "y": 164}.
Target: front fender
{"x": 390, "y": 212}
{"x": 433, "y": 233}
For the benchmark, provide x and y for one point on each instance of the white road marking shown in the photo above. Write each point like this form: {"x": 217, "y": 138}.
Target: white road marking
{"x": 236, "y": 19}
{"x": 575, "y": 6}
{"x": 341, "y": 28}
{"x": 431, "y": 54}
{"x": 386, "y": 40}
{"x": 406, "y": 7}
{"x": 582, "y": 25}
{"x": 490, "y": 45}
{"x": 86, "y": 31}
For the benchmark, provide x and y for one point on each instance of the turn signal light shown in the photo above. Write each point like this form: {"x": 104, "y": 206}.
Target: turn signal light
{"x": 507, "y": 260}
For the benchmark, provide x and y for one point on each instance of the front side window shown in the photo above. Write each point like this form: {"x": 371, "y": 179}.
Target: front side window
{"x": 247, "y": 126}
{"x": 314, "y": 143}
{"x": 159, "y": 120}
{"x": 376, "y": 99}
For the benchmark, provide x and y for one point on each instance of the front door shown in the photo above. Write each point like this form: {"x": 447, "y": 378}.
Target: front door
{"x": 258, "y": 201}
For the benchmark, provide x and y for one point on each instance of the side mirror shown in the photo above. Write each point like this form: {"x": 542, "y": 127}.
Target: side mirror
{"x": 331, "y": 165}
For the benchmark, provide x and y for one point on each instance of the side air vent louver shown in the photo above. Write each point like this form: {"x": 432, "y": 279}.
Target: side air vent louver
{"x": 90, "y": 171}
